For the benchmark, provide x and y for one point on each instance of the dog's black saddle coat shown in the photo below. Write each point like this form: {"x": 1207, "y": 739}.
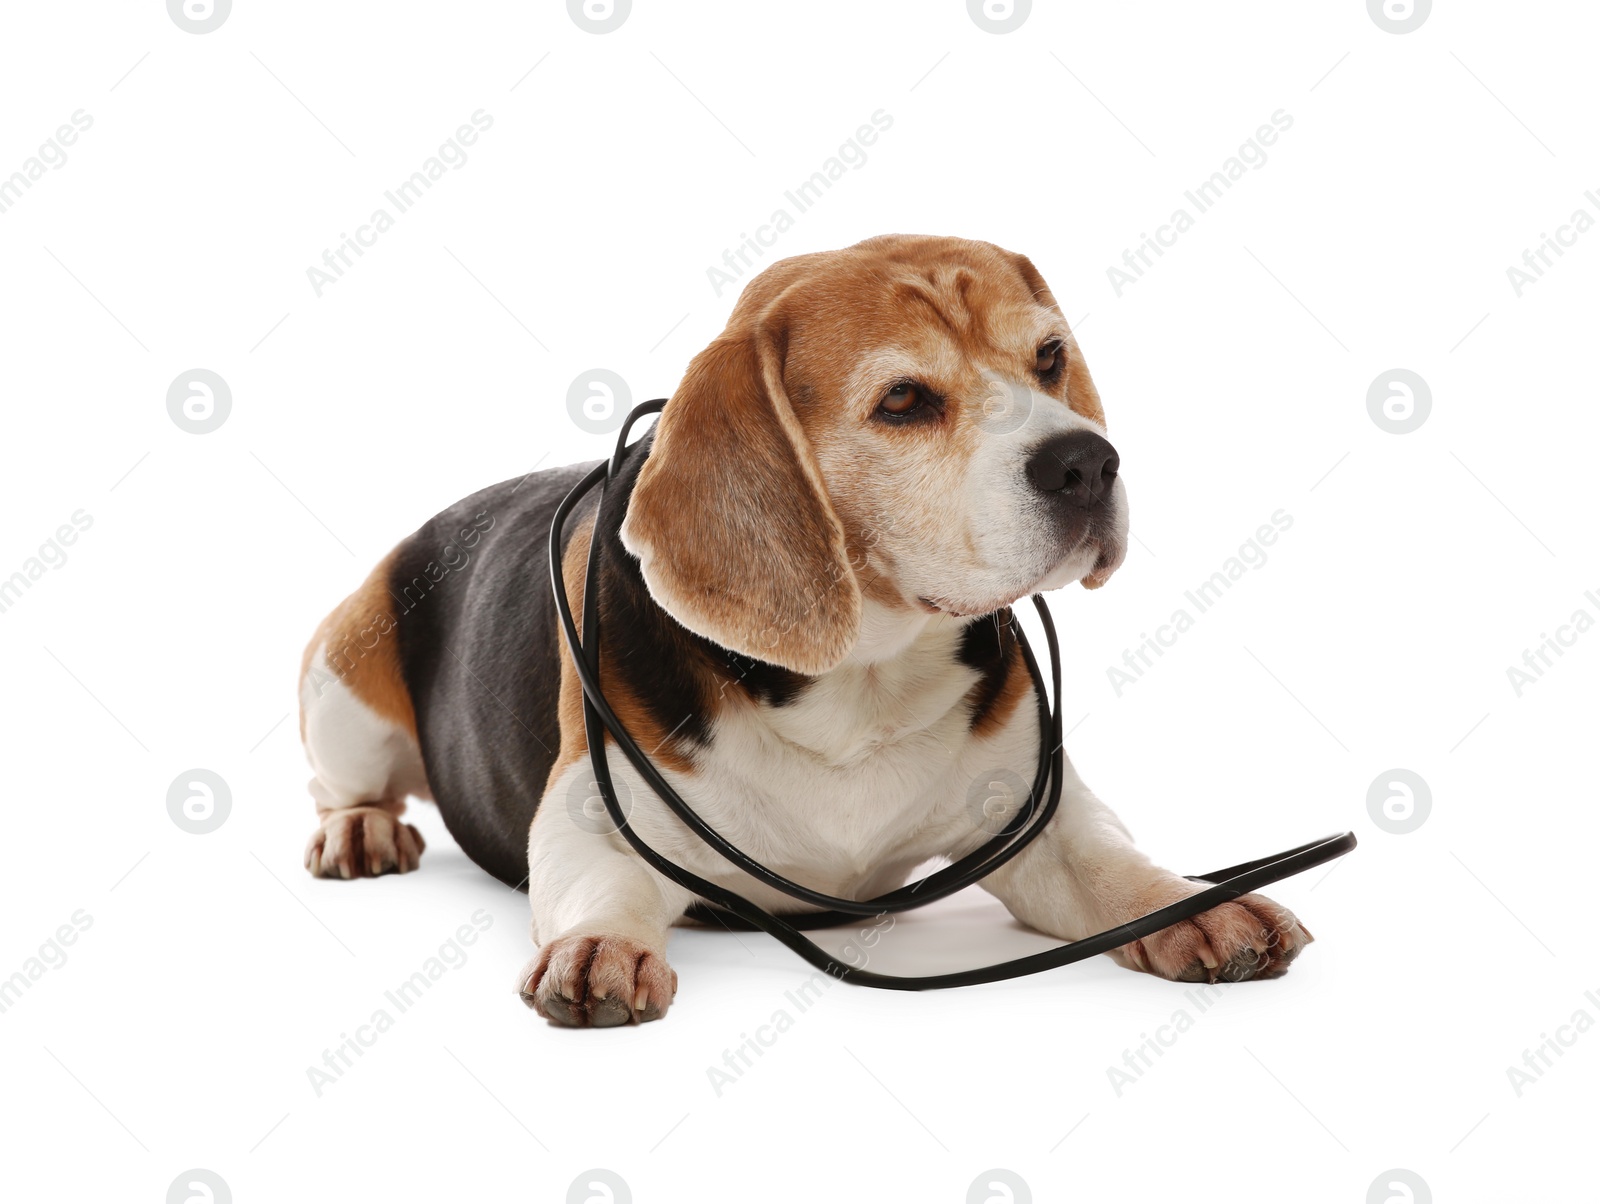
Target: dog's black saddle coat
{"x": 479, "y": 649}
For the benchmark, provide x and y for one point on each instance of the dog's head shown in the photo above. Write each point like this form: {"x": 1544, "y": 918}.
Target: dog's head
{"x": 904, "y": 427}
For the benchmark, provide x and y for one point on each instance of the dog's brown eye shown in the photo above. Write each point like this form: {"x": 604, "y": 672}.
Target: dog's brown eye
{"x": 1048, "y": 359}
{"x": 901, "y": 400}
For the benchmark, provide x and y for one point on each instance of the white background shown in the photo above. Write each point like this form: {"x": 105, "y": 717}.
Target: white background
{"x": 577, "y": 235}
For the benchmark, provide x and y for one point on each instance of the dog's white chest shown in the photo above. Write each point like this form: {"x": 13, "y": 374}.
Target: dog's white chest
{"x": 866, "y": 774}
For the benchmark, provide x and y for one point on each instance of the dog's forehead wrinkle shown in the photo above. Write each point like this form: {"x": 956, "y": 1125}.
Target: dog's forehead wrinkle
{"x": 914, "y": 296}
{"x": 945, "y": 309}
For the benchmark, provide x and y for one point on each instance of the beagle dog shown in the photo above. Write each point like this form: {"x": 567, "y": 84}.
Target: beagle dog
{"x": 804, "y": 607}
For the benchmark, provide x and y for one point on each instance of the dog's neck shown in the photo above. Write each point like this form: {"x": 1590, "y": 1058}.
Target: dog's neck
{"x": 904, "y": 678}
{"x": 887, "y": 632}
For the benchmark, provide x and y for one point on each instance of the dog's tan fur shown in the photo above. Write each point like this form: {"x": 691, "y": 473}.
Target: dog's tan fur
{"x": 360, "y": 648}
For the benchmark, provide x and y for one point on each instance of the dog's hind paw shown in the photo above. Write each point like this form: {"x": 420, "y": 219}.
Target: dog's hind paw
{"x": 363, "y": 842}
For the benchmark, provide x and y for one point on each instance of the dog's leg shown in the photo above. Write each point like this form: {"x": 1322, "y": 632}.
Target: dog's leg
{"x": 1083, "y": 875}
{"x": 365, "y": 766}
{"x": 600, "y": 915}
{"x": 360, "y": 733}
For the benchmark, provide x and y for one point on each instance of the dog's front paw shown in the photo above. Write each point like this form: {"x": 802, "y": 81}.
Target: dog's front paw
{"x": 1251, "y": 937}
{"x": 599, "y": 981}
{"x": 363, "y": 842}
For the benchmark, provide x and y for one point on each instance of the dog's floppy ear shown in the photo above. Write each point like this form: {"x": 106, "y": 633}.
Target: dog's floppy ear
{"x": 730, "y": 521}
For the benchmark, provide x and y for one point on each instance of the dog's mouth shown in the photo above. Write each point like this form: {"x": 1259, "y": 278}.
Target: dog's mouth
{"x": 965, "y": 609}
{"x": 1092, "y": 562}
{"x": 939, "y": 606}
{"x": 1108, "y": 562}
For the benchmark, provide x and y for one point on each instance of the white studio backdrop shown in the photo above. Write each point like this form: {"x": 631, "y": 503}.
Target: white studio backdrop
{"x": 1334, "y": 339}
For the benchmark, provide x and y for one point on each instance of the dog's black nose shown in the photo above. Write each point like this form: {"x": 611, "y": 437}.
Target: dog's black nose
{"x": 1076, "y": 464}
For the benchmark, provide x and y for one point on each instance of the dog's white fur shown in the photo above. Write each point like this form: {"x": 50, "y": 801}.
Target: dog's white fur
{"x": 868, "y": 775}
{"x": 357, "y": 756}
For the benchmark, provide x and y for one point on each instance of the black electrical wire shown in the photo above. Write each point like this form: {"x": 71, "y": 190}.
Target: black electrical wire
{"x": 599, "y": 718}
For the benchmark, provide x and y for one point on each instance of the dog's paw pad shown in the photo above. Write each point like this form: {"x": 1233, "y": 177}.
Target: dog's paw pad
{"x": 598, "y": 982}
{"x": 1251, "y": 937}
